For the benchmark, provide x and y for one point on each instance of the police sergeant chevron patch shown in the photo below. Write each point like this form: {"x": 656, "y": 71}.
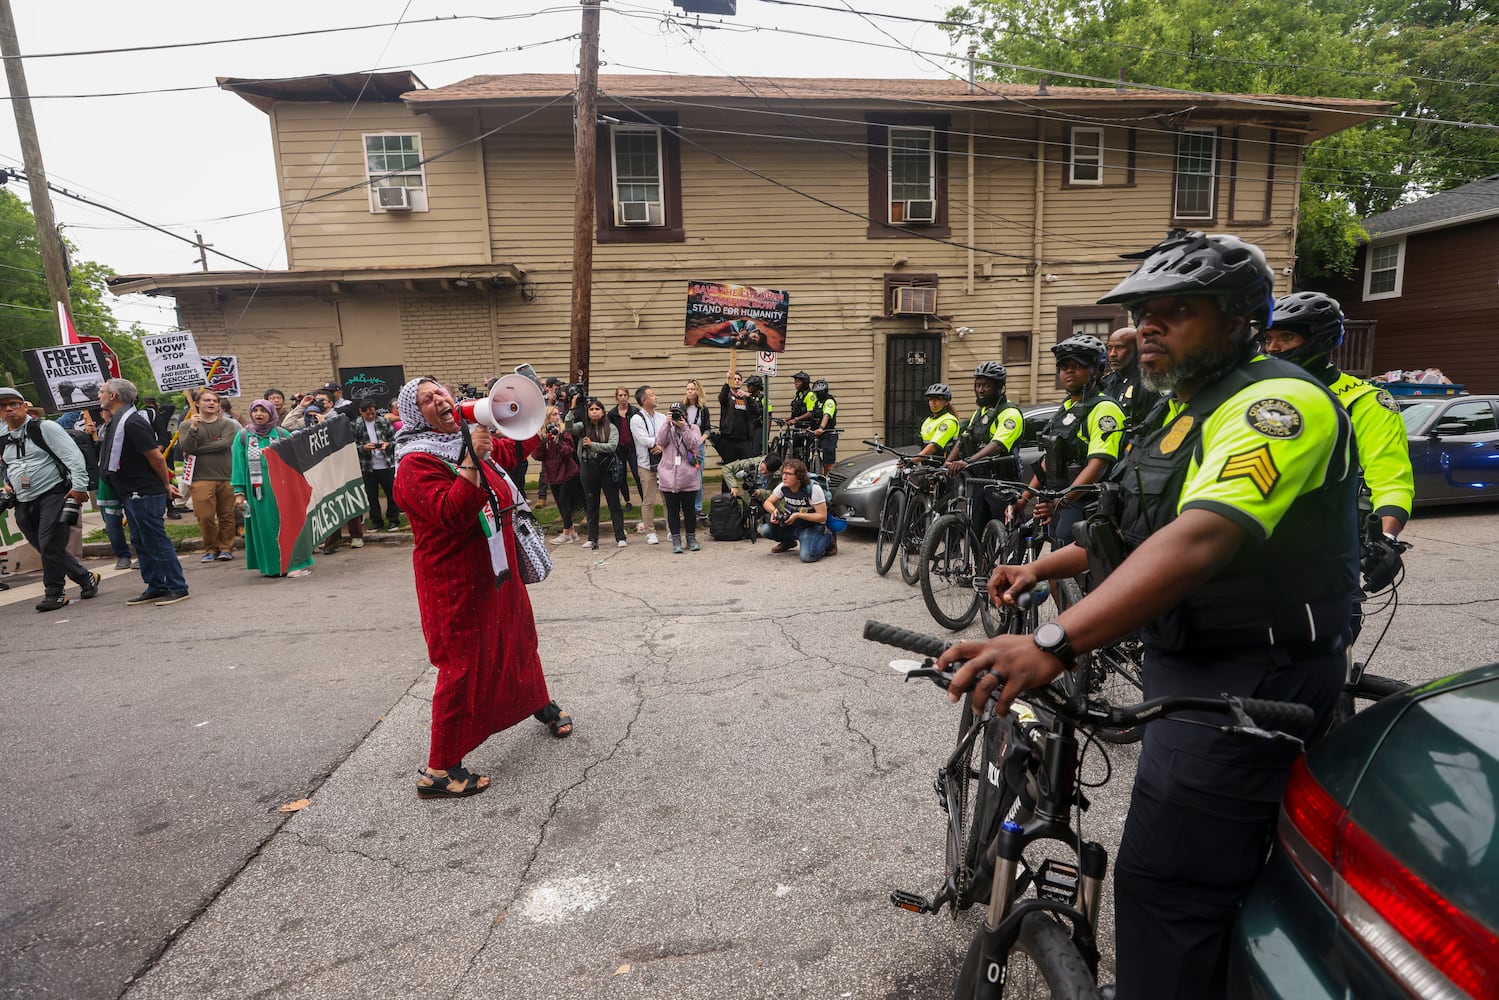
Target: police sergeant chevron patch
{"x": 1257, "y": 465}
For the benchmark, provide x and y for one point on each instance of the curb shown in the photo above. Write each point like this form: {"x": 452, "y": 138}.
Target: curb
{"x": 102, "y": 550}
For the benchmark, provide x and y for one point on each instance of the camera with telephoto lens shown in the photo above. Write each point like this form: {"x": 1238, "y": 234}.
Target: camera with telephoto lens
{"x": 7, "y": 501}
{"x": 573, "y": 389}
{"x": 71, "y": 511}
{"x": 678, "y": 411}
{"x": 466, "y": 391}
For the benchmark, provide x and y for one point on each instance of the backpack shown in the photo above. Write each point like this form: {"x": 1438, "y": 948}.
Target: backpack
{"x": 726, "y": 517}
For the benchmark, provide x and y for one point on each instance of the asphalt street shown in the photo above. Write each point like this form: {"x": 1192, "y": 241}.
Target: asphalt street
{"x": 747, "y": 783}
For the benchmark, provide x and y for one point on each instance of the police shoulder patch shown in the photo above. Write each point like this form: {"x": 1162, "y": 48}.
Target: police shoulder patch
{"x": 1009, "y": 423}
{"x": 1274, "y": 418}
{"x": 1107, "y": 424}
{"x": 1383, "y": 398}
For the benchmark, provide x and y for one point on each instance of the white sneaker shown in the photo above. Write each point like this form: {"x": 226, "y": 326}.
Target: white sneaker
{"x": 590, "y": 545}
{"x": 357, "y": 543}
{"x": 651, "y": 539}
{"x": 623, "y": 543}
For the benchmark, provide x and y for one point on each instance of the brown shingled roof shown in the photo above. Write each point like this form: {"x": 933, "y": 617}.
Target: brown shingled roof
{"x": 534, "y": 86}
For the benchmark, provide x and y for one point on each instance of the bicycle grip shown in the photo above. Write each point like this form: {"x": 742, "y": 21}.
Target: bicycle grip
{"x": 1279, "y": 714}
{"x": 901, "y": 638}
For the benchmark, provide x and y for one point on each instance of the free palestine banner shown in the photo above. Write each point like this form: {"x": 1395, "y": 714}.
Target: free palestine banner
{"x": 315, "y": 477}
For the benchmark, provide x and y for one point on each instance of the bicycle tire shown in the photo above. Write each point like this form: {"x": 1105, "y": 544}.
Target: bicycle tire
{"x": 887, "y": 540}
{"x": 1043, "y": 963}
{"x": 1116, "y": 674}
{"x": 946, "y": 570}
{"x": 913, "y": 533}
{"x": 1370, "y": 688}
{"x": 995, "y": 618}
{"x": 960, "y": 782}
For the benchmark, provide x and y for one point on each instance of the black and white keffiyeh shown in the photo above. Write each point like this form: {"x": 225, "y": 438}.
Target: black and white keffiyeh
{"x": 416, "y": 434}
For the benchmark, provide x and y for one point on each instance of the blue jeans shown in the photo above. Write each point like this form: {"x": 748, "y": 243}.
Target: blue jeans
{"x": 812, "y": 540}
{"x": 114, "y": 530}
{"x": 146, "y": 515}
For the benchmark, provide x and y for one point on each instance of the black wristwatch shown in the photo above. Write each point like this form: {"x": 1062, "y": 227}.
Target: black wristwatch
{"x": 1052, "y": 638}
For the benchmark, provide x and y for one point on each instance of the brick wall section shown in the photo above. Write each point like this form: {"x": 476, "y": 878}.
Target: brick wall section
{"x": 289, "y": 366}
{"x": 448, "y": 337}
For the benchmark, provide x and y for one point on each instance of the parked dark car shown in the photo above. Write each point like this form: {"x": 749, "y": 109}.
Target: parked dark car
{"x": 860, "y": 483}
{"x": 1384, "y": 880}
{"x": 1454, "y": 449}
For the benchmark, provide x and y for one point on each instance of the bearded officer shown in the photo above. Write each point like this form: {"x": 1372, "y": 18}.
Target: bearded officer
{"x": 1238, "y": 514}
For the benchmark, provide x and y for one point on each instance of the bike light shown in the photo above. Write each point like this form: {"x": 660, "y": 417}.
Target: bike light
{"x": 1433, "y": 948}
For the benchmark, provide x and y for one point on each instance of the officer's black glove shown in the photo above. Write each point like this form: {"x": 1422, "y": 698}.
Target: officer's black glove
{"x": 1380, "y": 562}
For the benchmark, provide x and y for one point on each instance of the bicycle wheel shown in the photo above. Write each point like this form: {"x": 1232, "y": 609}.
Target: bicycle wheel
{"x": 959, "y": 778}
{"x": 1115, "y": 673}
{"x": 996, "y": 617}
{"x": 887, "y": 542}
{"x": 946, "y": 572}
{"x": 1043, "y": 963}
{"x": 912, "y": 535}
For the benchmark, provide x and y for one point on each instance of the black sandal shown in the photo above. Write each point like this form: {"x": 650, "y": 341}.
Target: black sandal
{"x": 456, "y": 775}
{"x": 558, "y": 721}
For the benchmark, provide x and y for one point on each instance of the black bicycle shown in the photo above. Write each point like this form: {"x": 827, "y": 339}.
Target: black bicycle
{"x": 1039, "y": 935}
{"x": 890, "y": 538}
{"x": 959, "y": 552}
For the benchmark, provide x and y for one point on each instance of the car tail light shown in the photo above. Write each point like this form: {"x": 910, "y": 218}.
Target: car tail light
{"x": 1433, "y": 948}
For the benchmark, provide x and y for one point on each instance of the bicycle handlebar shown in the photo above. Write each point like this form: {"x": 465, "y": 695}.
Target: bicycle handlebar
{"x": 1254, "y": 716}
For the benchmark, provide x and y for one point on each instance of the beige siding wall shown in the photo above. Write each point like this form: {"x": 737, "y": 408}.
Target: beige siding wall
{"x": 321, "y": 152}
{"x": 264, "y": 361}
{"x": 744, "y": 228}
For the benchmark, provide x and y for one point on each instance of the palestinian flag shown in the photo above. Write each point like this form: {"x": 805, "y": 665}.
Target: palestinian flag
{"x": 315, "y": 479}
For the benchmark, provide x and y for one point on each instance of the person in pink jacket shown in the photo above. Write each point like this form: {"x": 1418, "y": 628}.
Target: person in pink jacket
{"x": 680, "y": 443}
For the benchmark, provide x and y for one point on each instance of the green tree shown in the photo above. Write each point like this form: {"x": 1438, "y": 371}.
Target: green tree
{"x": 1436, "y": 60}
{"x": 28, "y": 319}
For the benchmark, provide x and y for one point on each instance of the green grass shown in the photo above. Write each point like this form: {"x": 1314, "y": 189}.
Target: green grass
{"x": 188, "y": 528}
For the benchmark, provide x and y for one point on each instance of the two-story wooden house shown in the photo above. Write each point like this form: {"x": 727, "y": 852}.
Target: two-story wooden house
{"x": 431, "y": 229}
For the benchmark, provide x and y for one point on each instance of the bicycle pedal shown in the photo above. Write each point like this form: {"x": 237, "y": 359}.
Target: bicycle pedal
{"x": 911, "y": 901}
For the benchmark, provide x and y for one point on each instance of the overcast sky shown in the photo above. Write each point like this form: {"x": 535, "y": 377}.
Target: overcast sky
{"x": 188, "y": 159}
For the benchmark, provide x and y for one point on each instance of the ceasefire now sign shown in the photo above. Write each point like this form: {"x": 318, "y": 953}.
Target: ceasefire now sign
{"x": 175, "y": 360}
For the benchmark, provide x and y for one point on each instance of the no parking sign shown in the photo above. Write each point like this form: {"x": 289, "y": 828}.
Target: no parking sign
{"x": 765, "y": 362}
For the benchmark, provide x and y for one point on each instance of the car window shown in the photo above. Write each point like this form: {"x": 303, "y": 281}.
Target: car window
{"x": 1415, "y": 415}
{"x": 1476, "y": 415}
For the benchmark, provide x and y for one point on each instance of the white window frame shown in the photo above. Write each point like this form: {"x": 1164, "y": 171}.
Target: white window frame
{"x": 931, "y": 169}
{"x": 418, "y": 190}
{"x": 658, "y": 206}
{"x": 1211, "y": 175}
{"x": 1078, "y": 156}
{"x": 1395, "y": 292}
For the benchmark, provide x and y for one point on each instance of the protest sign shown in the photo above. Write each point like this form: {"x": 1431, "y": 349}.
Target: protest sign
{"x": 726, "y": 315}
{"x": 374, "y": 383}
{"x": 315, "y": 478}
{"x": 174, "y": 360}
{"x": 67, "y": 378}
{"x": 221, "y": 372}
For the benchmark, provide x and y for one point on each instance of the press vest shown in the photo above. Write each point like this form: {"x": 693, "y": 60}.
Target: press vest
{"x": 1295, "y": 587}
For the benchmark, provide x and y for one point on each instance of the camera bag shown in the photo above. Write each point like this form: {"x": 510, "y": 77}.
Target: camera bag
{"x": 726, "y": 516}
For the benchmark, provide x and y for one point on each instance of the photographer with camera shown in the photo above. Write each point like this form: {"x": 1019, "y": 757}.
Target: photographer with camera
{"x": 798, "y": 511}
{"x": 679, "y": 441}
{"x": 559, "y": 470}
{"x": 45, "y": 482}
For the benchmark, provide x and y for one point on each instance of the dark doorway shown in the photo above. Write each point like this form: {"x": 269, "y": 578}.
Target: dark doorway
{"x": 912, "y": 362}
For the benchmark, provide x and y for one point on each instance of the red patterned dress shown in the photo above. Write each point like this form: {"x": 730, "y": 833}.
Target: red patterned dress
{"x": 481, "y": 638}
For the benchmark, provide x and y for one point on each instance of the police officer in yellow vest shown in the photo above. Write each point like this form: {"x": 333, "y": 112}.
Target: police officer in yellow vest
{"x": 1238, "y": 511}
{"x": 993, "y": 429}
{"x": 803, "y": 400}
{"x": 1082, "y": 440}
{"x": 825, "y": 421}
{"x": 940, "y": 430}
{"x": 1305, "y": 329}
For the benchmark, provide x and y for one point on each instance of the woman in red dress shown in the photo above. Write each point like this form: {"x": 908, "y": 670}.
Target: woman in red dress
{"x": 476, "y": 615}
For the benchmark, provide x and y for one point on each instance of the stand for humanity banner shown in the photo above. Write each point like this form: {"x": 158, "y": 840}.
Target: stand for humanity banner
{"x": 315, "y": 478}
{"x": 725, "y": 315}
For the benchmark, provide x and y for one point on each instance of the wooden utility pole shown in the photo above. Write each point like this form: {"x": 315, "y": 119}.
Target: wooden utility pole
{"x": 31, "y": 155}
{"x": 585, "y": 157}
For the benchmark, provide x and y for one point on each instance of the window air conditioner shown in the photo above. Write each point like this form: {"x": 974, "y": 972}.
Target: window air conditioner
{"x": 394, "y": 199}
{"x": 911, "y": 300}
{"x": 635, "y": 213}
{"x": 920, "y": 211}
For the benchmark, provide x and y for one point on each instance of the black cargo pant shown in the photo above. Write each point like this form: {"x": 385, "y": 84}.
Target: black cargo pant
{"x": 1201, "y": 817}
{"x": 37, "y": 520}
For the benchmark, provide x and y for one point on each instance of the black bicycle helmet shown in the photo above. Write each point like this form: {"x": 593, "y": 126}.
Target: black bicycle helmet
{"x": 1316, "y": 317}
{"x": 938, "y": 389}
{"x": 820, "y": 387}
{"x": 801, "y": 377}
{"x": 1084, "y": 347}
{"x": 991, "y": 370}
{"x": 1202, "y": 264}
{"x": 756, "y": 381}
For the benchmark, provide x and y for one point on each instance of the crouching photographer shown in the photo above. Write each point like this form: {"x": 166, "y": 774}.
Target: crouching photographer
{"x": 45, "y": 479}
{"x": 798, "y": 511}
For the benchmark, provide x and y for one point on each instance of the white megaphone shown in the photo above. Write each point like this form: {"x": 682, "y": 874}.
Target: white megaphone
{"x": 514, "y": 408}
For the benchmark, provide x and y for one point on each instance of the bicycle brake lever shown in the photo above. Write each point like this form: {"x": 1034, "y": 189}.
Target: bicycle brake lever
{"x": 938, "y": 677}
{"x": 1245, "y": 725}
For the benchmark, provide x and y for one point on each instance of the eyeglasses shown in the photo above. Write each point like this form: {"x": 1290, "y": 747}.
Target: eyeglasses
{"x": 6, "y": 404}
